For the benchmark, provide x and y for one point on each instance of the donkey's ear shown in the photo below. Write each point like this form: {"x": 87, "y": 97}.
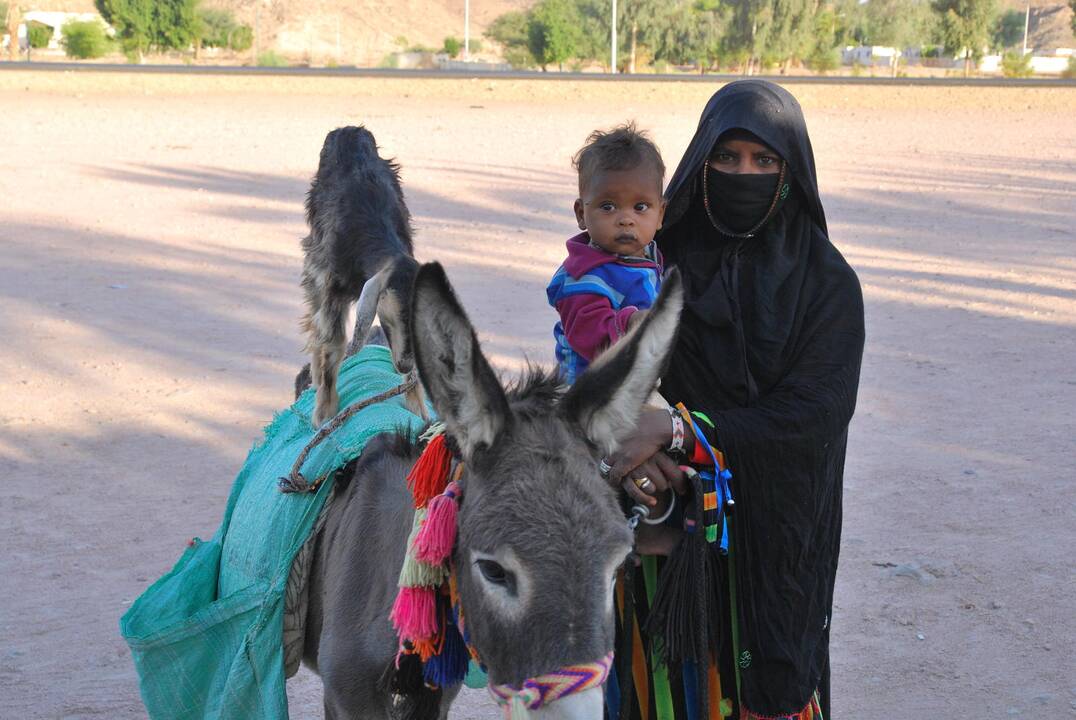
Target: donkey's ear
{"x": 463, "y": 388}
{"x": 605, "y": 400}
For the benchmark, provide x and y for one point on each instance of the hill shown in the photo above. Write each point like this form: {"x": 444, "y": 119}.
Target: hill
{"x": 361, "y": 32}
{"x": 347, "y": 32}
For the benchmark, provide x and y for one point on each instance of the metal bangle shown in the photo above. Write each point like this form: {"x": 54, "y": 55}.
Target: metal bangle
{"x": 663, "y": 518}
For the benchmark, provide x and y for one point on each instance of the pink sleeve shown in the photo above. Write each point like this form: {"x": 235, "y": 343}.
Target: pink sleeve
{"x": 591, "y": 324}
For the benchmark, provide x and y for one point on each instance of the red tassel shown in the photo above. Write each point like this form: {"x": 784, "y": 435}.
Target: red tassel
{"x": 436, "y": 538}
{"x": 429, "y": 476}
{"x": 414, "y": 614}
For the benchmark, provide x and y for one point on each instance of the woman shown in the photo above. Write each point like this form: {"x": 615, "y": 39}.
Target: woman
{"x": 767, "y": 362}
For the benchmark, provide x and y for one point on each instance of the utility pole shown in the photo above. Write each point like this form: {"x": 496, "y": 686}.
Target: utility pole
{"x": 257, "y": 27}
{"x": 612, "y": 43}
{"x": 466, "y": 30}
{"x": 1027, "y": 21}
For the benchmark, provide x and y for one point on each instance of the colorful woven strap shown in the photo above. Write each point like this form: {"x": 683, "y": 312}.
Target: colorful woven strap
{"x": 717, "y": 495}
{"x": 544, "y": 689}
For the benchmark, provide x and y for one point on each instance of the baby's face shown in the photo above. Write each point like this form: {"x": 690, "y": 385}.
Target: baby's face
{"x": 622, "y": 209}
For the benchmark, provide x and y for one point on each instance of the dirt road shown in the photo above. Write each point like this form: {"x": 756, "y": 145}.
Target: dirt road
{"x": 149, "y": 263}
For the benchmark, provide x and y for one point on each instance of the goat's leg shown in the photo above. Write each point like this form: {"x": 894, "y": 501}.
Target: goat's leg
{"x": 330, "y": 341}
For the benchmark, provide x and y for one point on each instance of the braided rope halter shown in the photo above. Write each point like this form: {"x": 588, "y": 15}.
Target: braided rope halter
{"x": 427, "y": 614}
{"x": 536, "y": 692}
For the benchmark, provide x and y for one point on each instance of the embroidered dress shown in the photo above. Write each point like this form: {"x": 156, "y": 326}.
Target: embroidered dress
{"x": 595, "y": 294}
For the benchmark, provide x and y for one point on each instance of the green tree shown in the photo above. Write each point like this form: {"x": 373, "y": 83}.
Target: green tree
{"x": 851, "y": 24}
{"x": 964, "y": 26}
{"x": 175, "y": 24}
{"x": 38, "y": 35}
{"x": 554, "y": 32}
{"x": 824, "y": 56}
{"x": 695, "y": 32}
{"x": 744, "y": 36}
{"x": 1008, "y": 30}
{"x": 85, "y": 40}
{"x": 766, "y": 32}
{"x": 215, "y": 27}
{"x": 898, "y": 24}
{"x": 634, "y": 14}
{"x": 133, "y": 22}
{"x": 452, "y": 47}
{"x": 142, "y": 24}
{"x": 510, "y": 31}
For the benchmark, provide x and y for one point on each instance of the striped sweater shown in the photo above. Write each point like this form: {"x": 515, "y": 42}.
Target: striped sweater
{"x": 595, "y": 294}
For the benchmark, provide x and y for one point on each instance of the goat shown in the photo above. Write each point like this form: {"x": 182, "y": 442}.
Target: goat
{"x": 359, "y": 248}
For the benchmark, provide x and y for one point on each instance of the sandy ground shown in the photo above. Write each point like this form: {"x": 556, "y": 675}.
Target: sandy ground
{"x": 149, "y": 261}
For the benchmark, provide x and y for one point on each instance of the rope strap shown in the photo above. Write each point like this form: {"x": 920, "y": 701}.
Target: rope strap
{"x": 544, "y": 689}
{"x": 295, "y": 482}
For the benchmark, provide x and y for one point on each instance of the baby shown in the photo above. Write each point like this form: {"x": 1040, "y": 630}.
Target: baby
{"x": 613, "y": 270}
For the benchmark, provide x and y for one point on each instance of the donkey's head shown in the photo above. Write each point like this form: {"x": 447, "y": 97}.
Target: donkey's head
{"x": 541, "y": 535}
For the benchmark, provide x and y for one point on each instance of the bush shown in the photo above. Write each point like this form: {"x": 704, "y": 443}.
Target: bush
{"x": 218, "y": 28}
{"x": 38, "y": 34}
{"x": 1016, "y": 65}
{"x": 519, "y": 58}
{"x": 85, "y": 40}
{"x": 824, "y": 61}
{"x": 242, "y": 38}
{"x": 1070, "y": 71}
{"x": 390, "y": 61}
{"x": 452, "y": 47}
{"x": 269, "y": 58}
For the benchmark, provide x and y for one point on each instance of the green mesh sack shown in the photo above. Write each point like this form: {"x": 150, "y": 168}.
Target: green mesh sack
{"x": 206, "y": 637}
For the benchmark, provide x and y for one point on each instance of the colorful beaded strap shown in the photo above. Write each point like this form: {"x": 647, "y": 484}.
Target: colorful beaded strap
{"x": 544, "y": 689}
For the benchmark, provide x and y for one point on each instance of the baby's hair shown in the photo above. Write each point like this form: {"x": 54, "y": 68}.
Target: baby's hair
{"x": 622, "y": 148}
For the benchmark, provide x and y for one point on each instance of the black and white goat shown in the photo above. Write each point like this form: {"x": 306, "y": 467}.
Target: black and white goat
{"x": 359, "y": 248}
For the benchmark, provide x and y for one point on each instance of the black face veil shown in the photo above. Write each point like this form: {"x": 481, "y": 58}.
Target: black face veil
{"x": 769, "y": 350}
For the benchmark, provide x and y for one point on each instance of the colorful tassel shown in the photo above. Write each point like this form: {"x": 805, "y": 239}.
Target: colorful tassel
{"x": 414, "y": 614}
{"x": 416, "y": 573}
{"x": 449, "y": 666}
{"x": 437, "y": 536}
{"x": 429, "y": 476}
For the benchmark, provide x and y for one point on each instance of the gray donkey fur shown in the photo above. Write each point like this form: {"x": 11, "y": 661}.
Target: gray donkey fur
{"x": 540, "y": 534}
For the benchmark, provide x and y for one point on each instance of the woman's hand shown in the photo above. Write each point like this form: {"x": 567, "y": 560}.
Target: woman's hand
{"x": 641, "y": 466}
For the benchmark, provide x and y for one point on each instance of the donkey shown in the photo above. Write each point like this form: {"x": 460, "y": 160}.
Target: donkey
{"x": 541, "y": 535}
{"x": 359, "y": 248}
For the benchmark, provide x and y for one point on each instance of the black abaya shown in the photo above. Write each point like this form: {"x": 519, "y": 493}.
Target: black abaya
{"x": 769, "y": 350}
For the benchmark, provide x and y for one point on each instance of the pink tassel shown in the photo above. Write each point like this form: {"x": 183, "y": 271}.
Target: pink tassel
{"x": 436, "y": 538}
{"x": 414, "y": 614}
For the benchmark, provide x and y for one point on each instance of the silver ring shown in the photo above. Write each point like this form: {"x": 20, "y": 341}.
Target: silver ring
{"x": 604, "y": 468}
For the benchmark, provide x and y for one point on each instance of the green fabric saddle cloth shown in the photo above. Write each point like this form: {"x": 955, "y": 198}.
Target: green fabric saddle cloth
{"x": 206, "y": 637}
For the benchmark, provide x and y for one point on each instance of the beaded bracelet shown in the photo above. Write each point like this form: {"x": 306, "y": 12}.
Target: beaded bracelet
{"x": 677, "y": 444}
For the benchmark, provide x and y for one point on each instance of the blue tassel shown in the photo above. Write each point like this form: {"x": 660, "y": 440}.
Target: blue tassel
{"x": 450, "y": 666}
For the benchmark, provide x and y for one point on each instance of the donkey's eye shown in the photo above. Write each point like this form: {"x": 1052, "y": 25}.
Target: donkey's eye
{"x": 492, "y": 571}
{"x": 495, "y": 574}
